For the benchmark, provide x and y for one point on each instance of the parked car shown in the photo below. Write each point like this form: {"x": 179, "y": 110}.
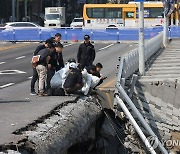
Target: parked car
{"x": 21, "y": 24}
{"x": 77, "y": 22}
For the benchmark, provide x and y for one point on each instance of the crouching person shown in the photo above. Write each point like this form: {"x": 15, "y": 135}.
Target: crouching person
{"x": 42, "y": 66}
{"x": 73, "y": 82}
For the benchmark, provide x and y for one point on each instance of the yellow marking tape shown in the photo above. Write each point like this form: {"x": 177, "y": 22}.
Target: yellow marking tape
{"x": 14, "y": 46}
{"x": 109, "y": 100}
{"x": 108, "y": 84}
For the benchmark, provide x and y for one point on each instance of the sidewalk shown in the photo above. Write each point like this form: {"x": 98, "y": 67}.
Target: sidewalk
{"x": 166, "y": 66}
{"x": 157, "y": 94}
{"x": 18, "y": 109}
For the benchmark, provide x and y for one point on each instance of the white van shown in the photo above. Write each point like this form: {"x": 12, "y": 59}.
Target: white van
{"x": 77, "y": 22}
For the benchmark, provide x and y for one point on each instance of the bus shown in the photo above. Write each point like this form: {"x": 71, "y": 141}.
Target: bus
{"x": 125, "y": 15}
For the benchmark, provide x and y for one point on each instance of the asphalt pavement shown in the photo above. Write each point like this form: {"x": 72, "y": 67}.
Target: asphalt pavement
{"x": 17, "y": 107}
{"x": 15, "y": 62}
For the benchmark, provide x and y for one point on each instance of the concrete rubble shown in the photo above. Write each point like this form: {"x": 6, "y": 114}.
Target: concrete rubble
{"x": 64, "y": 126}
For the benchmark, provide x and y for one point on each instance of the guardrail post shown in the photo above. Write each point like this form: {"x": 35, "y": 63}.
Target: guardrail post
{"x": 139, "y": 116}
{"x": 133, "y": 82}
{"x": 136, "y": 126}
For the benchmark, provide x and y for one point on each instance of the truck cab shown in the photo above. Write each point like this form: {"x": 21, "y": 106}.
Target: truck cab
{"x": 54, "y": 17}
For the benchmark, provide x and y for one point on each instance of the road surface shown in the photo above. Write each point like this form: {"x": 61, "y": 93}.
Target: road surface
{"x": 17, "y": 107}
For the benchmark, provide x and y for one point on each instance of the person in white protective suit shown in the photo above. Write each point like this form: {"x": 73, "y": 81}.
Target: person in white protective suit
{"x": 89, "y": 81}
{"x": 59, "y": 77}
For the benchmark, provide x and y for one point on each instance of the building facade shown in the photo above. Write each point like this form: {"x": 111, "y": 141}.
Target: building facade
{"x": 33, "y": 10}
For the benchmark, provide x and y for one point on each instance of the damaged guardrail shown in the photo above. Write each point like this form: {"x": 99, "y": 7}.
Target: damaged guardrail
{"x": 131, "y": 59}
{"x": 129, "y": 63}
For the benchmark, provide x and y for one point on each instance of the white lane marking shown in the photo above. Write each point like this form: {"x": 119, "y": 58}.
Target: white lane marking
{"x": 2, "y": 62}
{"x": 30, "y": 77}
{"x": 7, "y": 85}
{"x": 20, "y": 57}
{"x": 68, "y": 45}
{"x": 11, "y": 72}
{"x": 106, "y": 47}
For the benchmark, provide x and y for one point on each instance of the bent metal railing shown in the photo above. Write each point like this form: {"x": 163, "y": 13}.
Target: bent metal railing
{"x": 131, "y": 59}
{"x": 129, "y": 63}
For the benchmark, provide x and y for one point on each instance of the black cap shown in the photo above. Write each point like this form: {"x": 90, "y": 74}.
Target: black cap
{"x": 59, "y": 45}
{"x": 86, "y": 37}
{"x": 72, "y": 60}
{"x": 49, "y": 41}
{"x": 58, "y": 35}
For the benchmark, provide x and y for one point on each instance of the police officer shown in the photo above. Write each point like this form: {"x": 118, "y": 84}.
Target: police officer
{"x": 86, "y": 53}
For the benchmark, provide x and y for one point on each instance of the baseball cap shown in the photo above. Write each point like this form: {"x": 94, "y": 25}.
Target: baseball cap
{"x": 71, "y": 60}
{"x": 73, "y": 65}
{"x": 86, "y": 37}
{"x": 58, "y": 35}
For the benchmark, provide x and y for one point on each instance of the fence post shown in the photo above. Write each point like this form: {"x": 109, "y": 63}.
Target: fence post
{"x": 92, "y": 36}
{"x": 65, "y": 36}
{"x": 118, "y": 37}
{"x": 40, "y": 33}
{"x": 14, "y": 36}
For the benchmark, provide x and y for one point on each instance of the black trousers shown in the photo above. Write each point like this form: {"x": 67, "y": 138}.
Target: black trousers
{"x": 34, "y": 79}
{"x": 50, "y": 73}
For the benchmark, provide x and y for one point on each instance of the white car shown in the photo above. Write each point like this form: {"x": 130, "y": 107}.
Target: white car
{"x": 21, "y": 24}
{"x": 77, "y": 22}
{"x": 25, "y": 25}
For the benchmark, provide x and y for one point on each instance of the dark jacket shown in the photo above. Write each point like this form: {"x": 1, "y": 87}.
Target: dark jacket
{"x": 86, "y": 54}
{"x": 56, "y": 60}
{"x": 40, "y": 47}
{"x": 74, "y": 77}
{"x": 44, "y": 53}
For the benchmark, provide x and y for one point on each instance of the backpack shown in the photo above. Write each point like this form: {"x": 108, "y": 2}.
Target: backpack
{"x": 34, "y": 60}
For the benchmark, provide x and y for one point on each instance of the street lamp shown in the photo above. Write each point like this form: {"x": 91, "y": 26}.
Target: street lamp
{"x": 13, "y": 10}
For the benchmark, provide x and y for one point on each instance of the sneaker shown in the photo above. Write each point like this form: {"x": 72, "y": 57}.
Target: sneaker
{"x": 43, "y": 94}
{"x": 33, "y": 93}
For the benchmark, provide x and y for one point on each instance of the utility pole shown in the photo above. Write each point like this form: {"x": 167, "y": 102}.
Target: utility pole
{"x": 141, "y": 39}
{"x": 13, "y": 10}
{"x": 25, "y": 9}
{"x": 165, "y": 29}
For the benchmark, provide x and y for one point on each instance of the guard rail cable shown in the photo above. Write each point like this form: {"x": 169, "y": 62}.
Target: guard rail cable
{"x": 128, "y": 65}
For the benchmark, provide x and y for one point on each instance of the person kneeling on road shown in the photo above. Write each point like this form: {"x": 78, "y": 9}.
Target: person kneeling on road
{"x": 59, "y": 78}
{"x": 74, "y": 81}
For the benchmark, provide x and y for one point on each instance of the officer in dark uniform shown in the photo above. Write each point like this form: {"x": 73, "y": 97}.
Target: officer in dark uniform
{"x": 86, "y": 53}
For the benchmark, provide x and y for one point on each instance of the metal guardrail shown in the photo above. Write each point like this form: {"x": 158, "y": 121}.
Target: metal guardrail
{"x": 131, "y": 59}
{"x": 129, "y": 63}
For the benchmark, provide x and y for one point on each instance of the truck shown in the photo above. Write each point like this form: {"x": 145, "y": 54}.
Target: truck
{"x": 54, "y": 17}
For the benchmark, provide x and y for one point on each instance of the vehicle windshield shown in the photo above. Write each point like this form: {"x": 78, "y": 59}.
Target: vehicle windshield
{"x": 78, "y": 20}
{"x": 52, "y": 16}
